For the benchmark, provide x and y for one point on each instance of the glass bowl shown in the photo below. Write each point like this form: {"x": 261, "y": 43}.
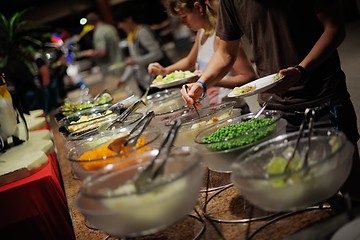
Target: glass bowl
{"x": 220, "y": 154}
{"x": 100, "y": 128}
{"x": 191, "y": 124}
{"x": 83, "y": 118}
{"x": 259, "y": 172}
{"x": 108, "y": 199}
{"x": 170, "y": 108}
{"x": 163, "y": 95}
{"x": 84, "y": 102}
{"x": 93, "y": 153}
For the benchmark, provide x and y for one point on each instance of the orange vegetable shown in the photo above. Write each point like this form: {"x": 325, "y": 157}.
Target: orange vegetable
{"x": 100, "y": 156}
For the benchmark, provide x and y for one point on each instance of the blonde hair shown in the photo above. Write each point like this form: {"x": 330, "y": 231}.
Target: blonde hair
{"x": 178, "y": 7}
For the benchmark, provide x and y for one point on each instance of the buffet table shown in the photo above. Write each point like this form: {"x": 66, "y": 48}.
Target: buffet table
{"x": 226, "y": 217}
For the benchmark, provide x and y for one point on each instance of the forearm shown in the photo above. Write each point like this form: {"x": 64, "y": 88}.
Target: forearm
{"x": 242, "y": 72}
{"x": 183, "y": 64}
{"x": 235, "y": 81}
{"x": 329, "y": 41}
{"x": 45, "y": 75}
{"x": 221, "y": 63}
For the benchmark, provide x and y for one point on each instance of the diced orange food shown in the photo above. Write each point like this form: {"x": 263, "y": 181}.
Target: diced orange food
{"x": 106, "y": 156}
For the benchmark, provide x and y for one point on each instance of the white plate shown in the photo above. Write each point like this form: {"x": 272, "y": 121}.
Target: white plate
{"x": 176, "y": 82}
{"x": 262, "y": 84}
{"x": 350, "y": 231}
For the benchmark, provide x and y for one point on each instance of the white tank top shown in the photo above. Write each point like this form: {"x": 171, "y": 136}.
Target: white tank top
{"x": 205, "y": 51}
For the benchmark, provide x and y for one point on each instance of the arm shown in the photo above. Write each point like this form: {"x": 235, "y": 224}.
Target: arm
{"x": 219, "y": 65}
{"x": 186, "y": 63}
{"x": 243, "y": 72}
{"x": 334, "y": 33}
{"x": 45, "y": 75}
{"x": 152, "y": 46}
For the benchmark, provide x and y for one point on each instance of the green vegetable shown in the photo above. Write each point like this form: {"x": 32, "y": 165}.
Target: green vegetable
{"x": 178, "y": 74}
{"x": 242, "y": 133}
{"x": 277, "y": 166}
{"x": 71, "y": 107}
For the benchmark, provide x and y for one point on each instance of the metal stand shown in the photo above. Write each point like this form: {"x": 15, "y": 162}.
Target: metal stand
{"x": 279, "y": 217}
{"x": 214, "y": 189}
{"x": 243, "y": 220}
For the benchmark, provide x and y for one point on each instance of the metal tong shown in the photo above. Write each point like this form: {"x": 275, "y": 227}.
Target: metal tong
{"x": 117, "y": 144}
{"x": 262, "y": 107}
{"x": 309, "y": 117}
{"x": 147, "y": 176}
{"x": 133, "y": 107}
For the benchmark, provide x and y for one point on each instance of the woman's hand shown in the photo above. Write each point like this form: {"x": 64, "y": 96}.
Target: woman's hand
{"x": 156, "y": 69}
{"x": 192, "y": 94}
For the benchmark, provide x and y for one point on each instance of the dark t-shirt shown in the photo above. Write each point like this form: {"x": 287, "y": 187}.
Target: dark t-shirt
{"x": 281, "y": 34}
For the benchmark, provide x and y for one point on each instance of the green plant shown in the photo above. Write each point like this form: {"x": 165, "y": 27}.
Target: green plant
{"x": 19, "y": 39}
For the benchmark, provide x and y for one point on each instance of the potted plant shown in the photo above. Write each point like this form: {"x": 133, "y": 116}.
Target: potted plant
{"x": 19, "y": 39}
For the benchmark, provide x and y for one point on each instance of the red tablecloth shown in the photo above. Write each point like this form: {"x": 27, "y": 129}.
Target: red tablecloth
{"x": 35, "y": 207}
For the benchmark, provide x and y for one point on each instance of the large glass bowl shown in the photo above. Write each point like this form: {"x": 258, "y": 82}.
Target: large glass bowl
{"x": 170, "y": 108}
{"x": 84, "y": 102}
{"x": 259, "y": 172}
{"x": 93, "y": 153}
{"x": 219, "y": 155}
{"x": 159, "y": 97}
{"x": 191, "y": 124}
{"x": 108, "y": 199}
{"x": 83, "y": 118}
{"x": 99, "y": 127}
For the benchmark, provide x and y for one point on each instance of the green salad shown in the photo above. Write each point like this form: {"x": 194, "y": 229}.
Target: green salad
{"x": 176, "y": 75}
{"x": 71, "y": 107}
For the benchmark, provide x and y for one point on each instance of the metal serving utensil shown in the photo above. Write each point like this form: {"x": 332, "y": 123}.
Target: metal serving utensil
{"x": 309, "y": 116}
{"x": 262, "y": 107}
{"x": 133, "y": 107}
{"x": 144, "y": 179}
{"x": 129, "y": 140}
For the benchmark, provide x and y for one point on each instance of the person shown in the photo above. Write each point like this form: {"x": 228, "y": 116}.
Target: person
{"x": 37, "y": 95}
{"x": 106, "y": 51}
{"x": 66, "y": 82}
{"x": 143, "y": 46}
{"x": 200, "y": 17}
{"x": 298, "y": 40}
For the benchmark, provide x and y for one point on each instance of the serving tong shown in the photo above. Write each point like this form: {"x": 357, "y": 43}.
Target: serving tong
{"x": 309, "y": 115}
{"x": 129, "y": 140}
{"x": 143, "y": 180}
{"x": 262, "y": 107}
{"x": 133, "y": 107}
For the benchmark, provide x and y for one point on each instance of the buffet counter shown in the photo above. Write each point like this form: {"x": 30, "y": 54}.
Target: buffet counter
{"x": 226, "y": 216}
